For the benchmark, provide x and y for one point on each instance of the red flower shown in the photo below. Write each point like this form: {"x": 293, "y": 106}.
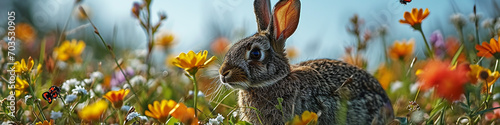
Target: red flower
{"x": 447, "y": 81}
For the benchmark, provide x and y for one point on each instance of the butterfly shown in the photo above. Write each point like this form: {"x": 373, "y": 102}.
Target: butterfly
{"x": 52, "y": 94}
{"x": 404, "y": 1}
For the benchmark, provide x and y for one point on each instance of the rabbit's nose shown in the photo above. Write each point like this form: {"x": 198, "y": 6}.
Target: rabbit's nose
{"x": 226, "y": 75}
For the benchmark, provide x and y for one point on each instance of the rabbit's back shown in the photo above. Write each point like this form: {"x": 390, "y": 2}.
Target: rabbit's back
{"x": 344, "y": 93}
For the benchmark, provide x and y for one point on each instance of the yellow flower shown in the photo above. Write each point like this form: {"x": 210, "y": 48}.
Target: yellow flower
{"x": 415, "y": 17}
{"x": 22, "y": 87}
{"x": 69, "y": 50}
{"x": 384, "y": 76}
{"x": 23, "y": 67}
{"x": 488, "y": 77}
{"x": 474, "y": 73}
{"x": 401, "y": 50}
{"x": 116, "y": 97}
{"x": 165, "y": 40}
{"x": 308, "y": 118}
{"x": 292, "y": 52}
{"x": 489, "y": 50}
{"x": 46, "y": 122}
{"x": 160, "y": 111}
{"x": 25, "y": 32}
{"x": 191, "y": 62}
{"x": 169, "y": 61}
{"x": 184, "y": 114}
{"x": 93, "y": 111}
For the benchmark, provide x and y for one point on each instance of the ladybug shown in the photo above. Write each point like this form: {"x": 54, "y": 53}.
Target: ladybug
{"x": 404, "y": 1}
{"x": 52, "y": 94}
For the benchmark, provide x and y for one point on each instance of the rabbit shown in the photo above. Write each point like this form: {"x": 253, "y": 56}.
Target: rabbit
{"x": 257, "y": 66}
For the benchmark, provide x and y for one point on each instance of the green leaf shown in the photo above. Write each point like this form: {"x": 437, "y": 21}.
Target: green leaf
{"x": 243, "y": 123}
{"x": 455, "y": 57}
{"x": 464, "y": 106}
{"x": 438, "y": 107}
{"x": 486, "y": 110}
{"x": 279, "y": 106}
{"x": 84, "y": 98}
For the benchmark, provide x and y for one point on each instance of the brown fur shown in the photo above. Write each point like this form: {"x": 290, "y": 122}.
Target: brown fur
{"x": 337, "y": 91}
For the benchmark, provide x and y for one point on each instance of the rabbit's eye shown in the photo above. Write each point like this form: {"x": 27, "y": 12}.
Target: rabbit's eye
{"x": 255, "y": 54}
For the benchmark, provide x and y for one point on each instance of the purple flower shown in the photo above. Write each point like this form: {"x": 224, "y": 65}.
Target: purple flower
{"x": 118, "y": 77}
{"x": 437, "y": 42}
{"x": 437, "y": 39}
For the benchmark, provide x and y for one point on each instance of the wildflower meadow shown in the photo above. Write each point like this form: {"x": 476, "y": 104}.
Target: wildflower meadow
{"x": 79, "y": 72}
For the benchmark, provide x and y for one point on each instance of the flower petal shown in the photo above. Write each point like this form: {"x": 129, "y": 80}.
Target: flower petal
{"x": 409, "y": 18}
{"x": 425, "y": 14}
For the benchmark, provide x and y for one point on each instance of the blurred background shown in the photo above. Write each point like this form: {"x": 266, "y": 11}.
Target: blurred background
{"x": 196, "y": 24}
{"x": 365, "y": 33}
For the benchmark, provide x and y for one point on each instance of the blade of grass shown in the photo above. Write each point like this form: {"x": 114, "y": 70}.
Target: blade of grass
{"x": 96, "y": 31}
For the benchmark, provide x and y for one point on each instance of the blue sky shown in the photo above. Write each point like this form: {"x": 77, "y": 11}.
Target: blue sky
{"x": 321, "y": 32}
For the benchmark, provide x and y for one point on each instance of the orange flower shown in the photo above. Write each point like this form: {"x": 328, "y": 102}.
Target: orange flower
{"x": 385, "y": 76}
{"x": 307, "y": 118}
{"x": 184, "y": 114}
{"x": 93, "y": 111}
{"x": 45, "y": 122}
{"x": 401, "y": 50}
{"x": 160, "y": 111}
{"x": 356, "y": 60}
{"x": 449, "y": 82}
{"x": 220, "y": 45}
{"x": 489, "y": 50}
{"x": 25, "y": 32}
{"x": 452, "y": 46}
{"x": 116, "y": 97}
{"x": 415, "y": 18}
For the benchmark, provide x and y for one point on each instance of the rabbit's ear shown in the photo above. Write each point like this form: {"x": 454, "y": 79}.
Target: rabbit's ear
{"x": 285, "y": 18}
{"x": 262, "y": 10}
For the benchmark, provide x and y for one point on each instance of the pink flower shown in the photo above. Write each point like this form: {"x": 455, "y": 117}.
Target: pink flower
{"x": 495, "y": 114}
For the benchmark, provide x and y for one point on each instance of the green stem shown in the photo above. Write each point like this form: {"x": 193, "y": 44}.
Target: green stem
{"x": 150, "y": 39}
{"x": 427, "y": 44}
{"x": 442, "y": 119}
{"x": 461, "y": 34}
{"x": 41, "y": 111}
{"x": 195, "y": 93}
{"x": 120, "y": 118}
{"x": 65, "y": 27}
{"x": 360, "y": 46}
{"x": 114, "y": 57}
{"x": 457, "y": 54}
{"x": 385, "y": 49}
{"x": 477, "y": 32}
{"x": 490, "y": 89}
{"x": 32, "y": 92}
{"x": 416, "y": 95}
{"x": 496, "y": 65}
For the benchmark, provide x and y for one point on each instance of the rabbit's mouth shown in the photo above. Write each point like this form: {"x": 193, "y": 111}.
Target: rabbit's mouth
{"x": 236, "y": 85}
{"x": 233, "y": 83}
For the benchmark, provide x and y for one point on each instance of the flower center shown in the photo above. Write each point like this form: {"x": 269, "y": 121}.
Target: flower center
{"x": 483, "y": 75}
